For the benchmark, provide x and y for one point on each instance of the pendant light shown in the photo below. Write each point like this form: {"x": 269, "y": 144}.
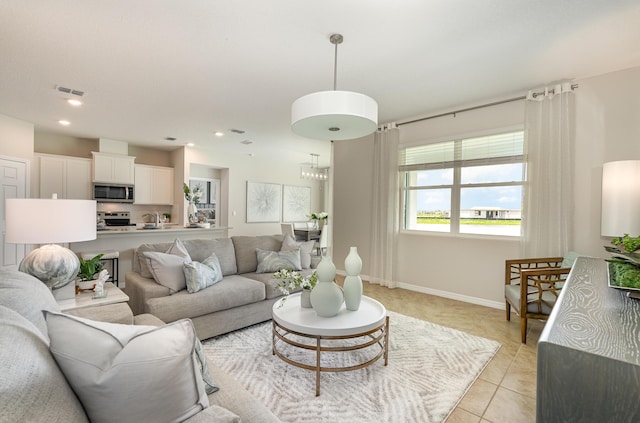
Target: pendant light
{"x": 334, "y": 115}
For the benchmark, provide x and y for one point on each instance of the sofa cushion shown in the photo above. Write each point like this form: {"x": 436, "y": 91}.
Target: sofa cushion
{"x": 198, "y": 250}
{"x": 167, "y": 270}
{"x": 272, "y": 261}
{"x": 232, "y": 291}
{"x": 129, "y": 373}
{"x": 305, "y": 247}
{"x": 246, "y": 246}
{"x": 33, "y": 389}
{"x": 199, "y": 276}
{"x": 26, "y": 295}
{"x": 271, "y": 283}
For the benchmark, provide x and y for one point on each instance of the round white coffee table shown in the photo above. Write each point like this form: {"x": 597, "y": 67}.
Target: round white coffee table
{"x": 366, "y": 327}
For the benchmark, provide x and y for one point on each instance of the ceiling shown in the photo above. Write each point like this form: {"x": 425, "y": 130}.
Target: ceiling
{"x": 153, "y": 69}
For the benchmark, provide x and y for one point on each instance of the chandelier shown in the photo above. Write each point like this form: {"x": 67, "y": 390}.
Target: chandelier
{"x": 314, "y": 172}
{"x": 334, "y": 115}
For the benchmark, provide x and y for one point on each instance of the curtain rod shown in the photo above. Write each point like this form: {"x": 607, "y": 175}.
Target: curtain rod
{"x": 481, "y": 106}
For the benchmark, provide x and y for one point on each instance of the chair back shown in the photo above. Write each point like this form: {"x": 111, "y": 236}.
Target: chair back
{"x": 287, "y": 229}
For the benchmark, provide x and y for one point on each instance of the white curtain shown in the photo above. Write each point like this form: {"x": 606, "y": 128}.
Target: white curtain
{"x": 384, "y": 218}
{"x": 548, "y": 198}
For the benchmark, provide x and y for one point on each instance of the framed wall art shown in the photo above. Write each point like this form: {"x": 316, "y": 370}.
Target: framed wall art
{"x": 296, "y": 203}
{"x": 263, "y": 202}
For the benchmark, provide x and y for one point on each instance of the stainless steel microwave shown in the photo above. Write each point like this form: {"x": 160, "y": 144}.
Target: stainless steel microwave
{"x": 112, "y": 193}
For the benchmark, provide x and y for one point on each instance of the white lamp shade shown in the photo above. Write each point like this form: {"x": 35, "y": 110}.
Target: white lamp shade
{"x": 620, "y": 198}
{"x": 49, "y": 221}
{"x": 334, "y": 115}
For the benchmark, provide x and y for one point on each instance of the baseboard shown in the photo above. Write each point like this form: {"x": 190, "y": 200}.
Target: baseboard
{"x": 438, "y": 293}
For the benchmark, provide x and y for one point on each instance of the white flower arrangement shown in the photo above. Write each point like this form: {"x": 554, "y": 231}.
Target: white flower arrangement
{"x": 291, "y": 280}
{"x": 318, "y": 216}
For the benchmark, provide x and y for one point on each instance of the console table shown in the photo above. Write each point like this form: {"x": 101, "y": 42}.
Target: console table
{"x": 589, "y": 352}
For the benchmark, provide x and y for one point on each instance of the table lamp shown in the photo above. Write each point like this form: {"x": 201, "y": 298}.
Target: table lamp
{"x": 50, "y": 221}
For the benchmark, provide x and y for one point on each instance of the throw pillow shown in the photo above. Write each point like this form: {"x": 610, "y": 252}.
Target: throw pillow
{"x": 306, "y": 248}
{"x": 166, "y": 270}
{"x": 110, "y": 365}
{"x": 272, "y": 261}
{"x": 178, "y": 249}
{"x": 198, "y": 275}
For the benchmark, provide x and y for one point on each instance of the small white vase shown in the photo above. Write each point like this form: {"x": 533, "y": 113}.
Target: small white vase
{"x": 305, "y": 298}
{"x": 191, "y": 213}
{"x": 326, "y": 297}
{"x": 353, "y": 282}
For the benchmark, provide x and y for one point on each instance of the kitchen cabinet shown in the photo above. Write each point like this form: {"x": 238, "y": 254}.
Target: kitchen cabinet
{"x": 113, "y": 168}
{"x": 153, "y": 185}
{"x": 69, "y": 177}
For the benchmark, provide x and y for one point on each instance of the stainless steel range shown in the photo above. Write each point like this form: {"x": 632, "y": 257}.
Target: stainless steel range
{"x": 113, "y": 220}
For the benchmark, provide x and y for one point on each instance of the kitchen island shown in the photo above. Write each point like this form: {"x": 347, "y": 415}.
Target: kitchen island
{"x": 126, "y": 239}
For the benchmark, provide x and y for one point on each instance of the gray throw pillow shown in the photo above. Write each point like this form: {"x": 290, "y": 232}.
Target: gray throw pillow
{"x": 272, "y": 261}
{"x": 199, "y": 276}
{"x": 109, "y": 364}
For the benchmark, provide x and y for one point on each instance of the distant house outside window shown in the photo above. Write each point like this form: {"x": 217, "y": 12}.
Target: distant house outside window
{"x": 469, "y": 186}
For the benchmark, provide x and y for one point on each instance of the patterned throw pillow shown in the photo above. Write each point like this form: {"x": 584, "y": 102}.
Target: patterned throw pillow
{"x": 272, "y": 261}
{"x": 199, "y": 276}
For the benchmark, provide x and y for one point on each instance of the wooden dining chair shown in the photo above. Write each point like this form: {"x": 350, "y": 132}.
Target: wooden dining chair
{"x": 532, "y": 287}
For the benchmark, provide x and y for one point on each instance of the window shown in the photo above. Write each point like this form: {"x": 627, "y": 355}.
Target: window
{"x": 471, "y": 186}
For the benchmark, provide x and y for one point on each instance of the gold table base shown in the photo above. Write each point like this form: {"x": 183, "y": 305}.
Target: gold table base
{"x": 378, "y": 335}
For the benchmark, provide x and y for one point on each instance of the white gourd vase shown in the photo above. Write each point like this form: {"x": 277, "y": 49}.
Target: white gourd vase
{"x": 353, "y": 282}
{"x": 326, "y": 297}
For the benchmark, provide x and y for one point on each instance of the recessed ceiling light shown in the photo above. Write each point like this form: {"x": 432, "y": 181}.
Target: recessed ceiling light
{"x": 237, "y": 131}
{"x": 246, "y": 142}
{"x": 170, "y": 138}
{"x": 218, "y": 133}
{"x": 190, "y": 144}
{"x": 64, "y": 122}
{"x": 74, "y": 102}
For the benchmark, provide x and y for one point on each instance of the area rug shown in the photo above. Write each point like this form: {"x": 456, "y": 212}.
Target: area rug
{"x": 430, "y": 369}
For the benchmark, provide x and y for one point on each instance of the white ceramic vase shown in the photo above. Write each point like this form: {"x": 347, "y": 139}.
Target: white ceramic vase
{"x": 326, "y": 297}
{"x": 191, "y": 213}
{"x": 305, "y": 298}
{"x": 353, "y": 282}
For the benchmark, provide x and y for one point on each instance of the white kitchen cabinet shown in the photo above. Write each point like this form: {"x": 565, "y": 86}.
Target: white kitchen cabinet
{"x": 113, "y": 168}
{"x": 153, "y": 185}
{"x": 69, "y": 177}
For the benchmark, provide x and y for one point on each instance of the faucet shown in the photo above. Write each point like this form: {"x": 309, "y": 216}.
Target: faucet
{"x": 157, "y": 219}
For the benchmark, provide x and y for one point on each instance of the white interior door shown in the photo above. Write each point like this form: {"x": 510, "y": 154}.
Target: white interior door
{"x": 13, "y": 184}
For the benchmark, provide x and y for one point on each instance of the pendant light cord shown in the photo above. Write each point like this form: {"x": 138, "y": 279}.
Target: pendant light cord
{"x": 335, "y": 40}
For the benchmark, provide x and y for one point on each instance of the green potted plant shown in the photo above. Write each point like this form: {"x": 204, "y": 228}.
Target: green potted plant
{"x": 89, "y": 269}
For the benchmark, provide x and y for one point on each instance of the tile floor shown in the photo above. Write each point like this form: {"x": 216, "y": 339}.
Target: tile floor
{"x": 506, "y": 389}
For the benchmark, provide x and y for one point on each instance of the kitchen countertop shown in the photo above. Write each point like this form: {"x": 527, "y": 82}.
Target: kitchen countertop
{"x": 137, "y": 230}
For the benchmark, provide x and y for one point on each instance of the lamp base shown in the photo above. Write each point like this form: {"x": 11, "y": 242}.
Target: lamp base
{"x": 53, "y": 264}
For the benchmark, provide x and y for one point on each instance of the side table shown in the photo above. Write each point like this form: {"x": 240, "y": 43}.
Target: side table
{"x": 86, "y": 300}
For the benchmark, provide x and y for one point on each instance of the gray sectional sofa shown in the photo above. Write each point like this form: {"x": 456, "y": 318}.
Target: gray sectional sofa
{"x": 242, "y": 298}
{"x": 35, "y": 389}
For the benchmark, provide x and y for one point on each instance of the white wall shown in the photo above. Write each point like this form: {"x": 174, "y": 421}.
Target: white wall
{"x": 243, "y": 168}
{"x": 472, "y": 268}
{"x": 608, "y": 129}
{"x": 16, "y": 138}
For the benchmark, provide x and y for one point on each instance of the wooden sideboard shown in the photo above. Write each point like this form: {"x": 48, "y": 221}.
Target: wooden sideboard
{"x": 589, "y": 352}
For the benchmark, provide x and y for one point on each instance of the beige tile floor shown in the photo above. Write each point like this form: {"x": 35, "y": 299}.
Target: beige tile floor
{"x": 506, "y": 389}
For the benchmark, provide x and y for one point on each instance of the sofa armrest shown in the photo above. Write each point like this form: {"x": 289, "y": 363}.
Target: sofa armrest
{"x": 140, "y": 290}
{"x": 111, "y": 313}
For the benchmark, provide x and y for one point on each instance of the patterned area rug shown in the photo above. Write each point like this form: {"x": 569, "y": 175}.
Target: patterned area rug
{"x": 430, "y": 369}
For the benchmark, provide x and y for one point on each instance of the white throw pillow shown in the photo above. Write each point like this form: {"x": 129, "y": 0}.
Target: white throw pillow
{"x": 306, "y": 248}
{"x": 127, "y": 372}
{"x": 166, "y": 270}
{"x": 199, "y": 276}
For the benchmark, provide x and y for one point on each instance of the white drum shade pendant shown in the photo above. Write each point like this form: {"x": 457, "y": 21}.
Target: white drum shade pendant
{"x": 334, "y": 115}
